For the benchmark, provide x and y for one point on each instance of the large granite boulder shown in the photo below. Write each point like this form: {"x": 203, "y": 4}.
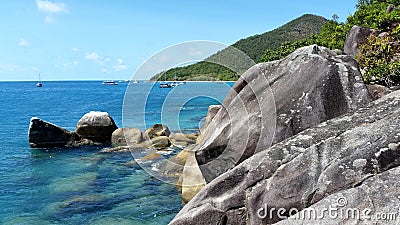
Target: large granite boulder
{"x": 96, "y": 126}
{"x": 43, "y": 134}
{"x": 212, "y": 111}
{"x": 374, "y": 200}
{"x": 192, "y": 181}
{"x": 156, "y": 130}
{"x": 335, "y": 156}
{"x": 126, "y": 136}
{"x": 276, "y": 100}
{"x": 357, "y": 37}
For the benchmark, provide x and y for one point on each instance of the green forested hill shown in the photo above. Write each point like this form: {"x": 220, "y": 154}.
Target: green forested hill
{"x": 299, "y": 28}
{"x": 253, "y": 46}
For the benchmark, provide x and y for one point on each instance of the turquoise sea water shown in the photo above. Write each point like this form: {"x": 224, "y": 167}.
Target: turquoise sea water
{"x": 80, "y": 186}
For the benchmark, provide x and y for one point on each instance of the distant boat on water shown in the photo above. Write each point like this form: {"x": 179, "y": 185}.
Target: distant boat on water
{"x": 39, "y": 84}
{"x": 165, "y": 85}
{"x": 110, "y": 82}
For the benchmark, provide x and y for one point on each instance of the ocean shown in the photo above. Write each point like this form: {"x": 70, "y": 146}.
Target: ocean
{"x": 79, "y": 185}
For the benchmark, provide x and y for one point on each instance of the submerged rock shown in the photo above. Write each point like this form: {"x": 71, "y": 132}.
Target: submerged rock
{"x": 43, "y": 134}
{"x": 96, "y": 126}
{"x": 122, "y": 149}
{"x": 276, "y": 100}
{"x": 149, "y": 157}
{"x": 339, "y": 156}
{"x": 157, "y": 142}
{"x": 173, "y": 167}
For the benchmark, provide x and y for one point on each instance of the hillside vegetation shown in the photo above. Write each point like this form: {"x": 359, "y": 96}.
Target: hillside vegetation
{"x": 254, "y": 46}
{"x": 379, "y": 55}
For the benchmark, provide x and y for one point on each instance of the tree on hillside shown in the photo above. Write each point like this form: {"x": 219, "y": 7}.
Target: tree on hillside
{"x": 335, "y": 17}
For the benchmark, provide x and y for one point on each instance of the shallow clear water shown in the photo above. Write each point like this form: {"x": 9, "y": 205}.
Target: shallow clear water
{"x": 72, "y": 186}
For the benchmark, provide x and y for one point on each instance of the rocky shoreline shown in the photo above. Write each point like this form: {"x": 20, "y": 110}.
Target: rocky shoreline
{"x": 99, "y": 128}
{"x": 296, "y": 133}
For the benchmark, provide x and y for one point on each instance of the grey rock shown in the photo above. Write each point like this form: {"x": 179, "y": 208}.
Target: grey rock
{"x": 384, "y": 35}
{"x": 180, "y": 140}
{"x": 212, "y": 111}
{"x": 338, "y": 52}
{"x": 157, "y": 142}
{"x": 156, "y": 130}
{"x": 173, "y": 167}
{"x": 357, "y": 37}
{"x": 96, "y": 126}
{"x": 377, "y": 91}
{"x": 335, "y": 156}
{"x": 43, "y": 134}
{"x": 378, "y": 195}
{"x": 126, "y": 136}
{"x": 391, "y": 8}
{"x": 276, "y": 100}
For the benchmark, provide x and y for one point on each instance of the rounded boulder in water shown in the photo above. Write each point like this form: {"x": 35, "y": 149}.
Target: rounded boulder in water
{"x": 96, "y": 126}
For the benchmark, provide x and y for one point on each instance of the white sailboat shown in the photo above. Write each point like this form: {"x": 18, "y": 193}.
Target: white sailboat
{"x": 39, "y": 84}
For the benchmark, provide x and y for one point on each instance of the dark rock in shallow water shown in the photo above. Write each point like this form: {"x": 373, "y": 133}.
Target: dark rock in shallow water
{"x": 43, "y": 134}
{"x": 96, "y": 126}
{"x": 342, "y": 155}
{"x": 276, "y": 100}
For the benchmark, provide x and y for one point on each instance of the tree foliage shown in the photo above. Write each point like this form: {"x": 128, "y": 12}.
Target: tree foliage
{"x": 253, "y": 46}
{"x": 297, "y": 29}
{"x": 378, "y": 57}
{"x": 332, "y": 35}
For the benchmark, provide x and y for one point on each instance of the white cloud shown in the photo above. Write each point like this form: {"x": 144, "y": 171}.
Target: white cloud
{"x": 23, "y": 43}
{"x": 49, "y": 19}
{"x": 16, "y": 68}
{"x": 92, "y": 56}
{"x": 51, "y": 7}
{"x": 105, "y": 71}
{"x": 120, "y": 66}
{"x": 75, "y": 62}
{"x": 75, "y": 49}
{"x": 194, "y": 52}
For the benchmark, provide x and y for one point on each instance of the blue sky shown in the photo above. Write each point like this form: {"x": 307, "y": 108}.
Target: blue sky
{"x": 98, "y": 40}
